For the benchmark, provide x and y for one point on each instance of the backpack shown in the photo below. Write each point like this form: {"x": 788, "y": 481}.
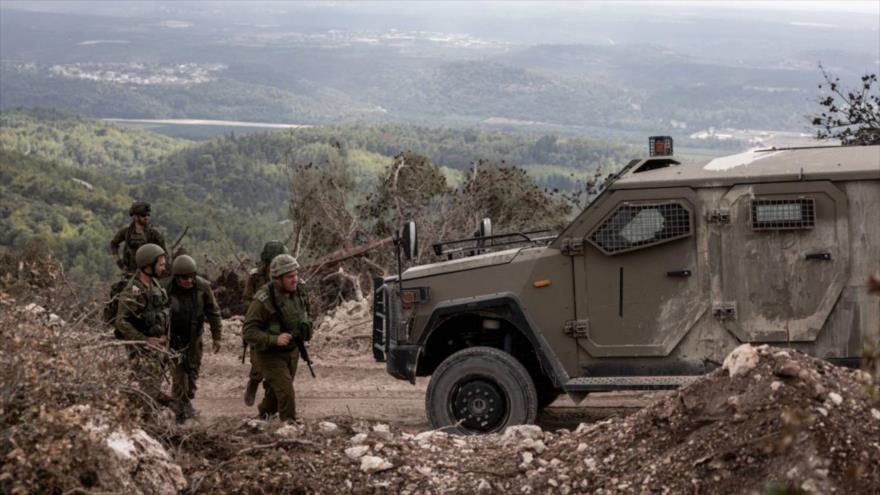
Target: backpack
{"x": 111, "y": 306}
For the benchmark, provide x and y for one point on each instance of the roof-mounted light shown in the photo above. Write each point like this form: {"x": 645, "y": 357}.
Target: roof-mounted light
{"x": 660, "y": 145}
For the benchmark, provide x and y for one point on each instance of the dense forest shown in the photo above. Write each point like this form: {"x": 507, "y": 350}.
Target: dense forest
{"x": 67, "y": 181}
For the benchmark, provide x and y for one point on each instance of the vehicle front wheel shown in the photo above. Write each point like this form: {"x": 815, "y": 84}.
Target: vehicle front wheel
{"x": 480, "y": 390}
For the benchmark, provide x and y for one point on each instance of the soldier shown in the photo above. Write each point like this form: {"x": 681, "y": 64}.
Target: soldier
{"x": 192, "y": 302}
{"x": 258, "y": 278}
{"x": 143, "y": 316}
{"x": 276, "y": 318}
{"x": 139, "y": 232}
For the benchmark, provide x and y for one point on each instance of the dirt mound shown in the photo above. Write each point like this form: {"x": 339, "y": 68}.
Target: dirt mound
{"x": 72, "y": 416}
{"x": 771, "y": 420}
{"x": 344, "y": 334}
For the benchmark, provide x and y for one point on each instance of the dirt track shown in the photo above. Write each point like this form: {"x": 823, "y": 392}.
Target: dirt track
{"x": 363, "y": 390}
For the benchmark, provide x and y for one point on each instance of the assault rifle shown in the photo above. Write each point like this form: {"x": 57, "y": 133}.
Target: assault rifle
{"x": 303, "y": 352}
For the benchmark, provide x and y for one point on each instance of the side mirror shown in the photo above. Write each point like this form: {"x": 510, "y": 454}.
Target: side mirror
{"x": 409, "y": 240}
{"x": 486, "y": 227}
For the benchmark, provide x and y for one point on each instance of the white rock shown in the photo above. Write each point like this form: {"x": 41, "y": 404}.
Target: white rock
{"x": 425, "y": 470}
{"x": 781, "y": 354}
{"x": 484, "y": 486}
{"x": 555, "y": 462}
{"x": 533, "y": 432}
{"x": 822, "y": 411}
{"x": 328, "y": 428}
{"x": 430, "y": 436}
{"x": 741, "y": 360}
{"x": 358, "y": 439}
{"x": 382, "y": 431}
{"x": 288, "y": 431}
{"x": 581, "y": 447}
{"x": 527, "y": 459}
{"x": 356, "y": 452}
{"x": 372, "y": 464}
{"x": 835, "y": 398}
{"x": 774, "y": 386}
{"x": 35, "y": 309}
{"x": 876, "y": 414}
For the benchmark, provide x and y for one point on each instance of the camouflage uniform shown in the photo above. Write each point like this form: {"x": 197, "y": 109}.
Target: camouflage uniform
{"x": 189, "y": 310}
{"x": 277, "y": 364}
{"x": 143, "y": 313}
{"x": 131, "y": 241}
{"x": 257, "y": 278}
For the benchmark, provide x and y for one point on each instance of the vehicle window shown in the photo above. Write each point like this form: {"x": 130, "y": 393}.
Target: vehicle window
{"x": 783, "y": 214}
{"x": 633, "y": 226}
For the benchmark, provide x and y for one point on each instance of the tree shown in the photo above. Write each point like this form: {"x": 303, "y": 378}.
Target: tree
{"x": 853, "y": 116}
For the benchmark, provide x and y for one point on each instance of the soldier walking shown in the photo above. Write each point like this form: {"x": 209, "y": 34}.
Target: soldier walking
{"x": 276, "y": 318}
{"x": 138, "y": 233}
{"x": 143, "y": 316}
{"x": 192, "y": 302}
{"x": 258, "y": 278}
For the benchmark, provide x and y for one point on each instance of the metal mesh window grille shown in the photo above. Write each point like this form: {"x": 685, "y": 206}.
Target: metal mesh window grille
{"x": 634, "y": 226}
{"x": 783, "y": 214}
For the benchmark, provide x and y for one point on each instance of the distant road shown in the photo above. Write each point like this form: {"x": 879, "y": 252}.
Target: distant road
{"x": 224, "y": 123}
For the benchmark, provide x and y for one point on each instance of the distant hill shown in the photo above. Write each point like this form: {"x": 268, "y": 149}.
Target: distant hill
{"x": 78, "y": 142}
{"x": 232, "y": 192}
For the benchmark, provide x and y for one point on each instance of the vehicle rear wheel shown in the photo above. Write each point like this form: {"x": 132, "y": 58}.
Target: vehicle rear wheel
{"x": 480, "y": 390}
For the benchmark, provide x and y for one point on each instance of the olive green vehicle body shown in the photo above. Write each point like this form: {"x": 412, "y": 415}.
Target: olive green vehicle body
{"x": 771, "y": 247}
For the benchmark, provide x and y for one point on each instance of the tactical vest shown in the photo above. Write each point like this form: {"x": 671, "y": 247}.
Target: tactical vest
{"x": 155, "y": 318}
{"x": 292, "y": 310}
{"x": 133, "y": 241}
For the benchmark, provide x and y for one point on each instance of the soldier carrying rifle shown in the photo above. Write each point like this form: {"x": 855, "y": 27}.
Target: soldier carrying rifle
{"x": 275, "y": 326}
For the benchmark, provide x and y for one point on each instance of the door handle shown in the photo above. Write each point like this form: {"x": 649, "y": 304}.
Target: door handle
{"x": 679, "y": 273}
{"x": 825, "y": 256}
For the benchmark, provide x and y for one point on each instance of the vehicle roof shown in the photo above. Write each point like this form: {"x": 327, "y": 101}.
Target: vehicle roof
{"x": 774, "y": 165}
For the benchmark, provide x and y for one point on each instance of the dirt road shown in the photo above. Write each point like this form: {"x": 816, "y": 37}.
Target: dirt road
{"x": 363, "y": 390}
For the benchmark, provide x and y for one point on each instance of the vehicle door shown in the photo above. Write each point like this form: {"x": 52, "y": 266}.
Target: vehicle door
{"x": 784, "y": 259}
{"x": 640, "y": 284}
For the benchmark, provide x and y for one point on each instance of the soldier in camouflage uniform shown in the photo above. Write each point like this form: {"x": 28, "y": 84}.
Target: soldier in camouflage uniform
{"x": 139, "y": 232}
{"x": 143, "y": 316}
{"x": 278, "y": 315}
{"x": 258, "y": 278}
{"x": 192, "y": 302}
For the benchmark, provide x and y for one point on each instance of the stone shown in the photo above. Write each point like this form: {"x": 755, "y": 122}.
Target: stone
{"x": 835, "y": 398}
{"x": 774, "y": 386}
{"x": 788, "y": 369}
{"x": 382, "y": 431}
{"x": 876, "y": 414}
{"x": 358, "y": 439}
{"x": 533, "y": 432}
{"x": 356, "y": 452}
{"x": 288, "y": 431}
{"x": 581, "y": 447}
{"x": 741, "y": 360}
{"x": 371, "y": 464}
{"x": 328, "y": 428}
{"x": 484, "y": 486}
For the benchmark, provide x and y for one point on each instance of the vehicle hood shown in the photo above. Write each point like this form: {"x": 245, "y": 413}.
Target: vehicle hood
{"x": 461, "y": 264}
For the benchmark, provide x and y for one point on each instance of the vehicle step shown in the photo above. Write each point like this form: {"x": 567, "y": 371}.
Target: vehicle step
{"x": 603, "y": 383}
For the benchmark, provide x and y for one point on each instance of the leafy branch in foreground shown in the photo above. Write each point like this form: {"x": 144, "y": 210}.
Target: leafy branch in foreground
{"x": 850, "y": 115}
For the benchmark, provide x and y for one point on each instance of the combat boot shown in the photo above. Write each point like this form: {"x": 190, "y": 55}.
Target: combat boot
{"x": 250, "y": 392}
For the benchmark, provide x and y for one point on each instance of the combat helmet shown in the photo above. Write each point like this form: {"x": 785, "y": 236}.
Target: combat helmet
{"x": 139, "y": 208}
{"x": 183, "y": 265}
{"x": 270, "y": 250}
{"x": 147, "y": 255}
{"x": 282, "y": 264}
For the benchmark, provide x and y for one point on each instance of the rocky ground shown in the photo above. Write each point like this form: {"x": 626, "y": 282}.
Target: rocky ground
{"x": 770, "y": 421}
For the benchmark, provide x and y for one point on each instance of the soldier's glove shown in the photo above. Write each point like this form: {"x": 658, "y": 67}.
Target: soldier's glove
{"x": 305, "y": 330}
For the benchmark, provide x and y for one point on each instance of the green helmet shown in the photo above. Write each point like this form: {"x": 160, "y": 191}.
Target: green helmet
{"x": 147, "y": 255}
{"x": 272, "y": 249}
{"x": 281, "y": 264}
{"x": 139, "y": 208}
{"x": 183, "y": 265}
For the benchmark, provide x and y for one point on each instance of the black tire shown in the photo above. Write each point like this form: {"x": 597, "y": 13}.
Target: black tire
{"x": 480, "y": 390}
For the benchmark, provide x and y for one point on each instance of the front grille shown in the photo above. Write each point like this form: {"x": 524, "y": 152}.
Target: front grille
{"x": 380, "y": 318}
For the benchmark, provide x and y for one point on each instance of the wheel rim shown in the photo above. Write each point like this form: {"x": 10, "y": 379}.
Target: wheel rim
{"x": 479, "y": 405}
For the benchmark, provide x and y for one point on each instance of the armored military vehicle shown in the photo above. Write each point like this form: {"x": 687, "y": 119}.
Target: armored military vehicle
{"x": 672, "y": 266}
